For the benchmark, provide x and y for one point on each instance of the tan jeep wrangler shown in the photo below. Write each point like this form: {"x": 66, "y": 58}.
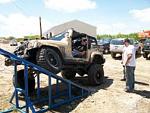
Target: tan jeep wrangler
{"x": 57, "y": 55}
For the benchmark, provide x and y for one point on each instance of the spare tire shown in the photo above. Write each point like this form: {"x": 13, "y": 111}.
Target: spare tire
{"x": 49, "y": 59}
{"x": 20, "y": 83}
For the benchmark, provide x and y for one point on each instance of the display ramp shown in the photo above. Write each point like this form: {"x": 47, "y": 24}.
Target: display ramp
{"x": 56, "y": 96}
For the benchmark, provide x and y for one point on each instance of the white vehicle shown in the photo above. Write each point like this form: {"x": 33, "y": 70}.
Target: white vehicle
{"x": 117, "y": 45}
{"x": 13, "y": 42}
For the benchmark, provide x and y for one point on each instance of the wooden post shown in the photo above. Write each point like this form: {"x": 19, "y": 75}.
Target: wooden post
{"x": 40, "y": 27}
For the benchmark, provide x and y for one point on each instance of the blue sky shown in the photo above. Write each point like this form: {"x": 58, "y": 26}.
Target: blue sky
{"x": 20, "y": 17}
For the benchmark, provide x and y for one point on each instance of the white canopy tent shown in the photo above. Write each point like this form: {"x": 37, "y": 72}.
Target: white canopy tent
{"x": 76, "y": 25}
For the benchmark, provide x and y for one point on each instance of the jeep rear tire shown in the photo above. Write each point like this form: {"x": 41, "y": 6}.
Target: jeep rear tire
{"x": 49, "y": 59}
{"x": 96, "y": 74}
{"x": 20, "y": 83}
{"x": 113, "y": 55}
{"x": 145, "y": 55}
{"x": 68, "y": 74}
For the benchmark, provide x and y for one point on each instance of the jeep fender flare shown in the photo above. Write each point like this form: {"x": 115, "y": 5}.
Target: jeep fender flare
{"x": 55, "y": 49}
{"x": 97, "y": 57}
{"x": 34, "y": 50}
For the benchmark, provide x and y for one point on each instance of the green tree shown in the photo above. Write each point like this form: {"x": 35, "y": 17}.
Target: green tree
{"x": 131, "y": 35}
{"x": 104, "y": 36}
{"x": 11, "y": 37}
{"x": 134, "y": 36}
{"x": 32, "y": 37}
{"x": 19, "y": 39}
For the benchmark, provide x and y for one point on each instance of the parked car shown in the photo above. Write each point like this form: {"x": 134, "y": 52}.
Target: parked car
{"x": 146, "y": 48}
{"x": 105, "y": 44}
{"x": 13, "y": 42}
{"x": 117, "y": 45}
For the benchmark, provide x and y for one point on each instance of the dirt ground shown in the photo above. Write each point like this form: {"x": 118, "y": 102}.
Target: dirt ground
{"x": 107, "y": 98}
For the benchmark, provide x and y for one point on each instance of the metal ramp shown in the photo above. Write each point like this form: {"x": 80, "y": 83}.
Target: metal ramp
{"x": 55, "y": 95}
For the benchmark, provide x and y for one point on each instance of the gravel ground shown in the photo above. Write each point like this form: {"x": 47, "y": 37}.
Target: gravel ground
{"x": 107, "y": 98}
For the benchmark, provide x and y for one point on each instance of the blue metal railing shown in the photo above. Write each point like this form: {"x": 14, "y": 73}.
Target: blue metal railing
{"x": 67, "y": 93}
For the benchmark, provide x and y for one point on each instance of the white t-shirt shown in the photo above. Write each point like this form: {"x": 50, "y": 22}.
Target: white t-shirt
{"x": 126, "y": 51}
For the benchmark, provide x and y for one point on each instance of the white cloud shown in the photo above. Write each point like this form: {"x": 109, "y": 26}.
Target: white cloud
{"x": 70, "y": 5}
{"x": 6, "y": 1}
{"x": 19, "y": 25}
{"x": 114, "y": 28}
{"x": 124, "y": 28}
{"x": 141, "y": 15}
{"x": 119, "y": 26}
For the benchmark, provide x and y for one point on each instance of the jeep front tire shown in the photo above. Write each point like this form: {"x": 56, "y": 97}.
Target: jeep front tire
{"x": 145, "y": 55}
{"x": 49, "y": 59}
{"x": 113, "y": 55}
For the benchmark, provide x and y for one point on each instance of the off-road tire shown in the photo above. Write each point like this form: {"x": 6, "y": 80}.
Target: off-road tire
{"x": 49, "y": 59}
{"x": 145, "y": 55}
{"x": 96, "y": 74}
{"x": 113, "y": 55}
{"x": 20, "y": 83}
{"x": 68, "y": 74}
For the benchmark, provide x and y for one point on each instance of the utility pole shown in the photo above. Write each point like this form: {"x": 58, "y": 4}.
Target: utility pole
{"x": 40, "y": 27}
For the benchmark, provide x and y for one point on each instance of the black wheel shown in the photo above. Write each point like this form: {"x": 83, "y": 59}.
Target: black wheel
{"x": 113, "y": 55}
{"x": 96, "y": 74}
{"x": 49, "y": 59}
{"x": 68, "y": 74}
{"x": 145, "y": 55}
{"x": 138, "y": 54}
{"x": 20, "y": 81}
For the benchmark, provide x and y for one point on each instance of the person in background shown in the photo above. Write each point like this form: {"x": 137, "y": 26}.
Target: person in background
{"x": 124, "y": 73}
{"x": 129, "y": 62}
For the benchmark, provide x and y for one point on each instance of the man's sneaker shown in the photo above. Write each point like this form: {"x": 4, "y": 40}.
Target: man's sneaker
{"x": 129, "y": 90}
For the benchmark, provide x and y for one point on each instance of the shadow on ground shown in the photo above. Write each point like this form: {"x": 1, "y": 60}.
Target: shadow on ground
{"x": 143, "y": 93}
{"x": 141, "y": 83}
{"x": 118, "y": 58}
{"x": 82, "y": 81}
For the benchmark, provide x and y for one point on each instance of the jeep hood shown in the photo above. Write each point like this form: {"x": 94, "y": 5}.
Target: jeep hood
{"x": 39, "y": 43}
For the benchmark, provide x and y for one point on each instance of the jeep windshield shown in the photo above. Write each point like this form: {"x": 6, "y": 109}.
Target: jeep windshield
{"x": 58, "y": 37}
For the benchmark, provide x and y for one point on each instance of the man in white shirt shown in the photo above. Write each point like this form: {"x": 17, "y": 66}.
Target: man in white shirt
{"x": 129, "y": 62}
